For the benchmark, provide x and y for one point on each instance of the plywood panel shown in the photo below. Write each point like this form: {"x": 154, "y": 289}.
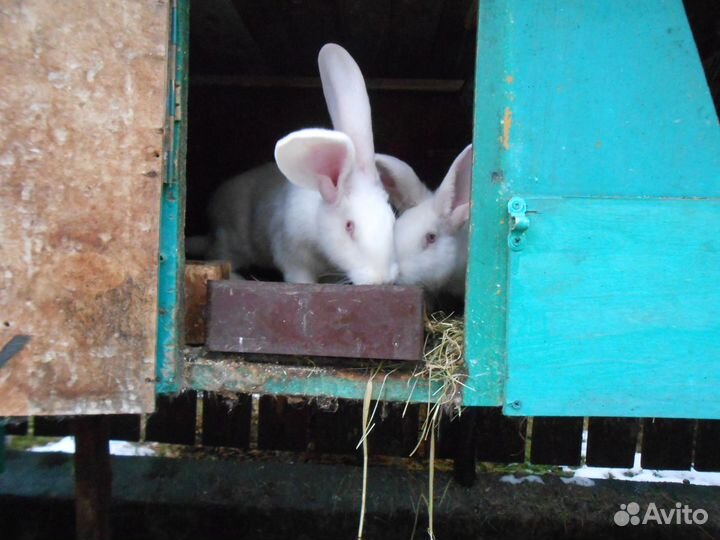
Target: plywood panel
{"x": 81, "y": 145}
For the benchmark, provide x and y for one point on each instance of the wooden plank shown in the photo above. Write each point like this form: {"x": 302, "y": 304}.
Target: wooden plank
{"x": 612, "y": 442}
{"x": 82, "y": 107}
{"x": 124, "y": 427}
{"x": 436, "y": 86}
{"x": 283, "y": 423}
{"x": 667, "y": 444}
{"x": 268, "y": 375}
{"x": 393, "y": 434}
{"x": 174, "y": 420}
{"x": 359, "y": 321}
{"x": 93, "y": 478}
{"x": 556, "y": 441}
{"x": 707, "y": 456}
{"x": 226, "y": 420}
{"x": 197, "y": 275}
{"x": 500, "y": 438}
{"x": 335, "y": 426}
{"x": 50, "y": 426}
{"x": 16, "y": 426}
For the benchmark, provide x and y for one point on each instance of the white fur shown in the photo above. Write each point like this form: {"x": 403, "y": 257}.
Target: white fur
{"x": 301, "y": 226}
{"x": 438, "y": 266}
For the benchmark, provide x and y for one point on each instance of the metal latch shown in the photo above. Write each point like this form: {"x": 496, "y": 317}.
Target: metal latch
{"x": 519, "y": 223}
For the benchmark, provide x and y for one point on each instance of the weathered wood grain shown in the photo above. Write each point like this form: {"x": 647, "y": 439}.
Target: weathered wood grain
{"x": 197, "y": 275}
{"x": 384, "y": 322}
{"x": 707, "y": 457}
{"x": 667, "y": 443}
{"x": 226, "y": 420}
{"x": 175, "y": 419}
{"x": 283, "y": 423}
{"x": 612, "y": 442}
{"x": 52, "y": 426}
{"x": 16, "y": 426}
{"x": 82, "y": 106}
{"x": 556, "y": 441}
{"x": 500, "y": 438}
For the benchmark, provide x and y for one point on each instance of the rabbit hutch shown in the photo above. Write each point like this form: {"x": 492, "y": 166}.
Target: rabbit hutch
{"x": 593, "y": 276}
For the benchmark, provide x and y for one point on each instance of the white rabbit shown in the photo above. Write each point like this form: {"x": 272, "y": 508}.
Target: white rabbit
{"x": 334, "y": 214}
{"x": 431, "y": 233}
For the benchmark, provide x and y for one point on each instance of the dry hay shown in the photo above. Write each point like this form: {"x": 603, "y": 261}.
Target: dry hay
{"x": 443, "y": 367}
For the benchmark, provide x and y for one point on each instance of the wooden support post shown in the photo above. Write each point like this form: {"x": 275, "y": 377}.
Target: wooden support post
{"x": 93, "y": 478}
{"x": 466, "y": 449}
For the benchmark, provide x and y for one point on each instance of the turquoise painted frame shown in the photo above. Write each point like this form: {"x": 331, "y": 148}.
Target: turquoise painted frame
{"x": 177, "y": 369}
{"x": 486, "y": 291}
{"x": 172, "y": 257}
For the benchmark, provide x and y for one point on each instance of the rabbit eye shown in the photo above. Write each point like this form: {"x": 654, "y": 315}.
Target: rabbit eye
{"x": 430, "y": 238}
{"x": 350, "y": 227}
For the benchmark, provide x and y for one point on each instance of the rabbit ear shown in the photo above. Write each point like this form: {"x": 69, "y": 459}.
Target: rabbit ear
{"x": 401, "y": 182}
{"x": 452, "y": 198}
{"x": 318, "y": 159}
{"x": 347, "y": 100}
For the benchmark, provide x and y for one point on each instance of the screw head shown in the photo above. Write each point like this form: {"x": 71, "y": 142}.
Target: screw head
{"x": 516, "y": 242}
{"x": 516, "y": 205}
{"x": 516, "y": 404}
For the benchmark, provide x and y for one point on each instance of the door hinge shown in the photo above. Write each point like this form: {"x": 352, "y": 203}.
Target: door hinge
{"x": 519, "y": 223}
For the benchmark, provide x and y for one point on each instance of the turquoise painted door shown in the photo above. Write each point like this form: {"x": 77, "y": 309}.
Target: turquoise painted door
{"x": 594, "y": 117}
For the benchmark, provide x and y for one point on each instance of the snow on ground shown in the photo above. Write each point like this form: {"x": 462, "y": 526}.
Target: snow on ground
{"x": 117, "y": 448}
{"x": 578, "y": 481}
{"x": 584, "y": 476}
{"x": 530, "y": 479}
{"x": 638, "y": 474}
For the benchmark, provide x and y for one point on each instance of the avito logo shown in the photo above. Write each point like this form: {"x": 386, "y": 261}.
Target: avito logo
{"x": 629, "y": 514}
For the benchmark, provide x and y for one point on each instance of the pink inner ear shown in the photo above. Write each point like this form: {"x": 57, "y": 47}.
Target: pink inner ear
{"x": 328, "y": 161}
{"x": 460, "y": 215}
{"x": 328, "y": 190}
{"x": 390, "y": 186}
{"x": 387, "y": 181}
